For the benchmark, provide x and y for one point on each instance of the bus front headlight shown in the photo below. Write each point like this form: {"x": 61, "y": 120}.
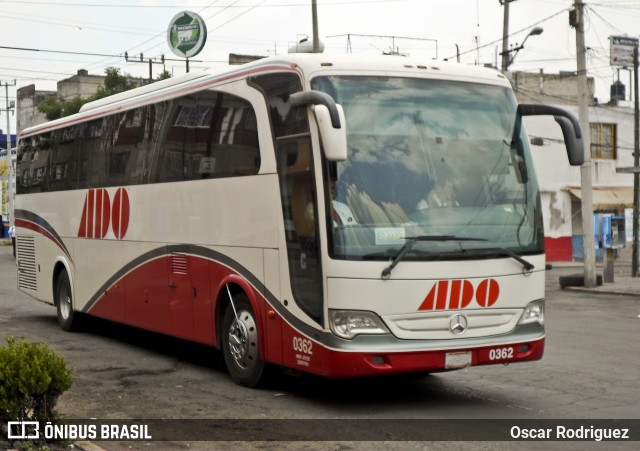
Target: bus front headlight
{"x": 349, "y": 323}
{"x": 533, "y": 313}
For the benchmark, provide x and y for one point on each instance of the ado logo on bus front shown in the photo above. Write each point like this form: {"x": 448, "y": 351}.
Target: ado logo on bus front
{"x": 458, "y": 294}
{"x": 99, "y": 213}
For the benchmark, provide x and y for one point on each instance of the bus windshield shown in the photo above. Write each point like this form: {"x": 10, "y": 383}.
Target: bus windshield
{"x": 442, "y": 160}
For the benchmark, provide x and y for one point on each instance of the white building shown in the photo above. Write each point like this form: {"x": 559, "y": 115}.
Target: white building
{"x": 611, "y": 131}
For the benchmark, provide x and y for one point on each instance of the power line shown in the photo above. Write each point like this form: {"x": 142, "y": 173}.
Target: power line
{"x": 75, "y": 25}
{"x": 120, "y": 5}
{"x": 59, "y": 51}
{"x": 511, "y": 34}
{"x": 77, "y": 53}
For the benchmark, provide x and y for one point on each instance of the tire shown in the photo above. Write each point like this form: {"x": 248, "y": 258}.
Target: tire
{"x": 241, "y": 344}
{"x": 67, "y": 317}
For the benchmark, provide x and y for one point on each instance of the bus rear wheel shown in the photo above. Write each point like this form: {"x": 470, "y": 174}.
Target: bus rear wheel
{"x": 67, "y": 318}
{"x": 241, "y": 344}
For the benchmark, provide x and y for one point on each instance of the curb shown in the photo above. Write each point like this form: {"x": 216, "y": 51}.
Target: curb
{"x": 605, "y": 291}
{"x": 88, "y": 446}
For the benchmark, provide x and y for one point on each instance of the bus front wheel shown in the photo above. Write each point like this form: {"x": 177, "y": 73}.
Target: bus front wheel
{"x": 67, "y": 318}
{"x": 240, "y": 343}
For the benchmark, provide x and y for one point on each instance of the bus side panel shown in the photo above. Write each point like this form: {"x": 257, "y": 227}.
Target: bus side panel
{"x": 273, "y": 344}
{"x": 147, "y": 296}
{"x": 40, "y": 245}
{"x": 112, "y": 306}
{"x": 36, "y": 269}
{"x": 203, "y": 311}
{"x": 304, "y": 354}
{"x": 171, "y": 290}
{"x": 96, "y": 261}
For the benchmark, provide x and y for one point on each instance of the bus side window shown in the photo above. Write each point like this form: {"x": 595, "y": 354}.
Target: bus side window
{"x": 63, "y": 173}
{"x": 177, "y": 142}
{"x": 126, "y": 154}
{"x": 214, "y": 135}
{"x": 231, "y": 141}
{"x": 33, "y": 163}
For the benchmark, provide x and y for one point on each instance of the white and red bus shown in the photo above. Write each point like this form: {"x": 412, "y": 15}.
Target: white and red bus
{"x": 331, "y": 214}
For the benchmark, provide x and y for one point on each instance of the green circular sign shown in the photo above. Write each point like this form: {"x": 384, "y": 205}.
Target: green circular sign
{"x": 186, "y": 34}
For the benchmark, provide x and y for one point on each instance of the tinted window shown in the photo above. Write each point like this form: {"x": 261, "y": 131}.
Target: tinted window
{"x": 199, "y": 136}
{"x": 33, "y": 163}
{"x": 209, "y": 135}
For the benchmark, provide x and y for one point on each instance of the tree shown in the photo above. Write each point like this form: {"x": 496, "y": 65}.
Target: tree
{"x": 163, "y": 75}
{"x": 51, "y": 108}
{"x": 114, "y": 82}
{"x": 55, "y": 108}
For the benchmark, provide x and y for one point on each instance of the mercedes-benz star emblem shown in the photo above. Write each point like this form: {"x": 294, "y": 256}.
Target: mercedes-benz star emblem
{"x": 458, "y": 324}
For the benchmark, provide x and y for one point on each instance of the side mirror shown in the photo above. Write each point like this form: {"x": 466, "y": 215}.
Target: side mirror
{"x": 569, "y": 125}
{"x": 330, "y": 119}
{"x": 575, "y": 145}
{"x": 334, "y": 140}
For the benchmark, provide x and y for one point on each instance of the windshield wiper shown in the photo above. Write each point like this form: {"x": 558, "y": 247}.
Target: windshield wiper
{"x": 500, "y": 251}
{"x": 386, "y": 272}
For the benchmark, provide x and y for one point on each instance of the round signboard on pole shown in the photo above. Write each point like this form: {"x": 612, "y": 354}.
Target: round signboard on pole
{"x": 186, "y": 34}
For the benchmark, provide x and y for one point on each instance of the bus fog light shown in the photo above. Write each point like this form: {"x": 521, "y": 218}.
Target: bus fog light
{"x": 377, "y": 360}
{"x": 349, "y": 323}
{"x": 533, "y": 313}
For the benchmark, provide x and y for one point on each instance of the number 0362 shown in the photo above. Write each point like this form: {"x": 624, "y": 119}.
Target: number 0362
{"x": 302, "y": 345}
{"x": 501, "y": 354}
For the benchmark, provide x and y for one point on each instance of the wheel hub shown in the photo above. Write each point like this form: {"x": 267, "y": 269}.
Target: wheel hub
{"x": 243, "y": 339}
{"x": 65, "y": 303}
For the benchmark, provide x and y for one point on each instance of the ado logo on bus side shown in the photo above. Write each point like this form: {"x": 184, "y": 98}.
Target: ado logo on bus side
{"x": 99, "y": 212}
{"x": 458, "y": 294}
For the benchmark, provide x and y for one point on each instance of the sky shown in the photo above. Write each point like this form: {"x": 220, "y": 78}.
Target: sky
{"x": 45, "y": 41}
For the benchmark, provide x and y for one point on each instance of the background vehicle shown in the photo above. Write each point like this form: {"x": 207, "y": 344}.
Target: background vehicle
{"x": 271, "y": 211}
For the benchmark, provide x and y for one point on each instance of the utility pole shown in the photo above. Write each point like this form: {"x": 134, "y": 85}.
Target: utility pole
{"x": 584, "y": 97}
{"x": 9, "y": 162}
{"x": 505, "y": 36}
{"x": 314, "y": 19}
{"x": 636, "y": 163}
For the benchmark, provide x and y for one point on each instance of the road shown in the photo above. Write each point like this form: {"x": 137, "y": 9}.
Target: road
{"x": 590, "y": 370}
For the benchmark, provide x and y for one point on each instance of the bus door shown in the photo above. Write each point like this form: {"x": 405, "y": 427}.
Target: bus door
{"x": 290, "y": 125}
{"x": 300, "y": 210}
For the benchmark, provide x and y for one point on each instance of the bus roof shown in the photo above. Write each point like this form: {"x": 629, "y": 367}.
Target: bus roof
{"x": 308, "y": 64}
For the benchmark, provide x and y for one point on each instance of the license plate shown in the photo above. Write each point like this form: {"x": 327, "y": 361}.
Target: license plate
{"x": 454, "y": 360}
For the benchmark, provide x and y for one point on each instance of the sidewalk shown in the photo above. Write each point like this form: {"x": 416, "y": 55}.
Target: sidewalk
{"x": 623, "y": 283}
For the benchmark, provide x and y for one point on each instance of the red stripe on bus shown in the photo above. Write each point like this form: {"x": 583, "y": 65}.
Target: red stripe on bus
{"x": 487, "y": 293}
{"x": 120, "y": 213}
{"x": 429, "y": 301}
{"x": 443, "y": 291}
{"x": 42, "y": 231}
{"x": 467, "y": 294}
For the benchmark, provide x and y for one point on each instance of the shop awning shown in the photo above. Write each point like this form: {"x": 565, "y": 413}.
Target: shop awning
{"x": 608, "y": 198}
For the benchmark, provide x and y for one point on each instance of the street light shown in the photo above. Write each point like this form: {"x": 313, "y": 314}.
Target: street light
{"x": 534, "y": 32}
